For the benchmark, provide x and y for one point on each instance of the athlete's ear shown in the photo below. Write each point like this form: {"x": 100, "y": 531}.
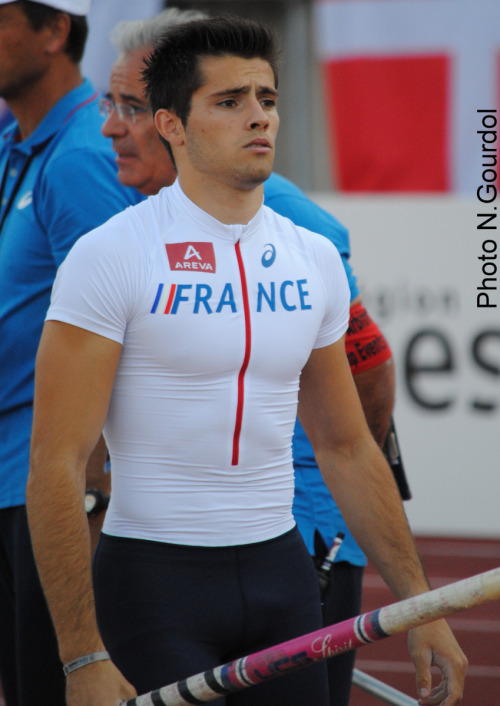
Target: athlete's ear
{"x": 170, "y": 127}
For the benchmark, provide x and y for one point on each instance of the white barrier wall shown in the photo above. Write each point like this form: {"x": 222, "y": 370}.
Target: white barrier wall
{"x": 417, "y": 263}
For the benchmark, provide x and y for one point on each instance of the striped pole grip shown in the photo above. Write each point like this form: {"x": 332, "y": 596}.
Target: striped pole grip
{"x": 325, "y": 643}
{"x": 382, "y": 691}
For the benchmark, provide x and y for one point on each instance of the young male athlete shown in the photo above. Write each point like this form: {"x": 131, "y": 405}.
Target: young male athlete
{"x": 143, "y": 164}
{"x": 184, "y": 325}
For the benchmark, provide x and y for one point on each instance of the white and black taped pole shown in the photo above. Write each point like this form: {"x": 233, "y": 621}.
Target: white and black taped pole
{"x": 326, "y": 642}
{"x": 383, "y": 691}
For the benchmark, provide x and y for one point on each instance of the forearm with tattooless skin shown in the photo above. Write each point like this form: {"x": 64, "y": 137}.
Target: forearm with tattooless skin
{"x": 74, "y": 377}
{"x": 65, "y": 574}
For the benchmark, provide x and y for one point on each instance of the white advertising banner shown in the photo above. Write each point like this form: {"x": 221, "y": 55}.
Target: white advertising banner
{"x": 428, "y": 272}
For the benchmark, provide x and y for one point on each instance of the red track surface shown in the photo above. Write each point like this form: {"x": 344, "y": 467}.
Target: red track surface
{"x": 477, "y": 629}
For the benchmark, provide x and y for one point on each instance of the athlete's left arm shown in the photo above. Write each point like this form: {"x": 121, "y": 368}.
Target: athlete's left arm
{"x": 362, "y": 484}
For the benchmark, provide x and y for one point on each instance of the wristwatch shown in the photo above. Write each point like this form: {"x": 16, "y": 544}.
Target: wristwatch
{"x": 96, "y": 501}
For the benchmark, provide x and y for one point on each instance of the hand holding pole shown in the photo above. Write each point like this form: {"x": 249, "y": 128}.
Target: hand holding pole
{"x": 326, "y": 642}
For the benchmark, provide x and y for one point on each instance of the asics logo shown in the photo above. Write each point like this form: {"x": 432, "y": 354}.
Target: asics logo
{"x": 269, "y": 255}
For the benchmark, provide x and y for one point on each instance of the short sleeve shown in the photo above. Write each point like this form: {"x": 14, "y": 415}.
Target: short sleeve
{"x": 93, "y": 287}
{"x": 336, "y": 318}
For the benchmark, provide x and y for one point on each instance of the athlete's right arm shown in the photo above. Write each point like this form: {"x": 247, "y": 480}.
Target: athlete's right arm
{"x": 75, "y": 371}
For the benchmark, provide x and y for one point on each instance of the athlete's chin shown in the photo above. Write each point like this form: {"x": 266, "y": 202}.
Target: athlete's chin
{"x": 256, "y": 176}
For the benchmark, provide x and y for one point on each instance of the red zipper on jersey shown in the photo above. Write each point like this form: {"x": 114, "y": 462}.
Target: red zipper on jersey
{"x": 246, "y": 359}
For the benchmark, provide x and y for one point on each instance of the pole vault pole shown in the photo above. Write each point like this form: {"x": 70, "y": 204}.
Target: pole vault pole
{"x": 325, "y": 643}
{"x": 381, "y": 690}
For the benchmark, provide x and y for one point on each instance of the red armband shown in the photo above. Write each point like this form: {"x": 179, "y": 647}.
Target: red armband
{"x": 365, "y": 344}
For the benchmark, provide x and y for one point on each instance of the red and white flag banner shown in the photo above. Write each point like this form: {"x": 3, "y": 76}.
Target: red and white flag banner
{"x": 404, "y": 81}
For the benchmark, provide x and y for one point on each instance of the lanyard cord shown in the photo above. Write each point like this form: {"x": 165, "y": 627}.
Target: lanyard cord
{"x": 16, "y": 188}
{"x": 20, "y": 179}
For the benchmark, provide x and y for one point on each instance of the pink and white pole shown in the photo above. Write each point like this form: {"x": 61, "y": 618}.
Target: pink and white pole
{"x": 325, "y": 643}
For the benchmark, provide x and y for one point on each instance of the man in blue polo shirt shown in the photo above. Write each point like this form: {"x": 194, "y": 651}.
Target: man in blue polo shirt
{"x": 57, "y": 181}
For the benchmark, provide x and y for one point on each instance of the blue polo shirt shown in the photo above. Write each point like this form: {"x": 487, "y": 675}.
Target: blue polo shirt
{"x": 56, "y": 185}
{"x": 313, "y": 505}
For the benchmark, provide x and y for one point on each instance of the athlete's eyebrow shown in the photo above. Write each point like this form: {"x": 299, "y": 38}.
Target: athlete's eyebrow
{"x": 243, "y": 90}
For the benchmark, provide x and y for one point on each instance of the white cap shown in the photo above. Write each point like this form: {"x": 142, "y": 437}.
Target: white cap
{"x": 73, "y": 7}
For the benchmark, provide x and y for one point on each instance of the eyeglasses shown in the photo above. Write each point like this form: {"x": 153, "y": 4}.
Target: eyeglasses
{"x": 126, "y": 113}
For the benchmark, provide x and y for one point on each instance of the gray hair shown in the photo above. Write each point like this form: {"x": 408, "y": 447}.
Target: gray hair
{"x": 130, "y": 35}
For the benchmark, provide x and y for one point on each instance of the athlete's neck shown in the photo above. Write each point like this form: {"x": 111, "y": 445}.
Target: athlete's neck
{"x": 229, "y": 204}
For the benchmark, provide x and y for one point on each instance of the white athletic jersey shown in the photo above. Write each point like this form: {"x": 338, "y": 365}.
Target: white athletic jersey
{"x": 216, "y": 323}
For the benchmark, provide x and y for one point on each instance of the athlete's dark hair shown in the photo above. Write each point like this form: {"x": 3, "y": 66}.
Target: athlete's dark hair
{"x": 39, "y": 16}
{"x": 173, "y": 70}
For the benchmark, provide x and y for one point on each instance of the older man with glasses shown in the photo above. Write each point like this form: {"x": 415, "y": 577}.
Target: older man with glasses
{"x": 139, "y": 155}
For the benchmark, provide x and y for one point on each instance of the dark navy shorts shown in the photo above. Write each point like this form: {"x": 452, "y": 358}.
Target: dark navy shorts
{"x": 167, "y": 612}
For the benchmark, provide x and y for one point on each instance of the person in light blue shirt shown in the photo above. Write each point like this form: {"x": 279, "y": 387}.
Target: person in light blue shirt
{"x": 57, "y": 181}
